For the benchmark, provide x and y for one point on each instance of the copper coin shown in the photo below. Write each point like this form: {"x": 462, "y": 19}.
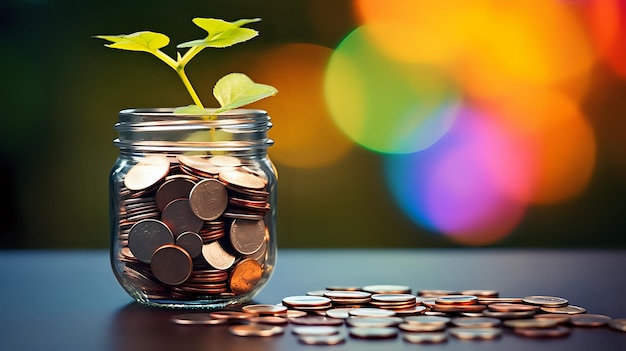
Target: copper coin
{"x": 345, "y": 294}
{"x": 430, "y": 320}
{"x": 317, "y": 292}
{"x": 191, "y": 242}
{"x": 147, "y": 172}
{"x": 295, "y": 314}
{"x": 224, "y": 161}
{"x": 341, "y": 313}
{"x": 373, "y": 322}
{"x": 241, "y": 179}
{"x": 322, "y": 339}
{"x": 197, "y": 319}
{"x": 306, "y": 301}
{"x": 556, "y": 332}
{"x": 316, "y": 320}
{"x": 171, "y": 264}
{"x": 208, "y": 199}
{"x": 531, "y": 323}
{"x": 491, "y": 300}
{"x": 425, "y": 338}
{"x": 343, "y": 288}
{"x": 255, "y": 330}
{"x": 436, "y": 293}
{"x": 198, "y": 163}
{"x": 371, "y": 312}
{"x": 245, "y": 276}
{"x": 410, "y": 311}
{"x": 374, "y": 333}
{"x": 420, "y": 328}
{"x": 589, "y": 320}
{"x": 247, "y": 236}
{"x": 216, "y": 256}
{"x": 265, "y": 309}
{"x": 394, "y": 298}
{"x": 178, "y": 216}
{"x": 316, "y": 330}
{"x": 387, "y": 289}
{"x": 545, "y": 301}
{"x": 618, "y": 324}
{"x": 476, "y": 322}
{"x": 172, "y": 189}
{"x": 146, "y": 236}
{"x": 458, "y": 308}
{"x": 272, "y": 320}
{"x": 512, "y": 307}
{"x": 570, "y": 309}
{"x": 476, "y": 333}
{"x": 457, "y": 300}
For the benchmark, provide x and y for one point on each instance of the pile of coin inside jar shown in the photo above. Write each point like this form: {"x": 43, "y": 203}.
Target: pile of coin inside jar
{"x": 193, "y": 226}
{"x": 329, "y": 316}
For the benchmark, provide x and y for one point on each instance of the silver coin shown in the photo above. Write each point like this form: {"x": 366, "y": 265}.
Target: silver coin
{"x": 387, "y": 289}
{"x": 371, "y": 312}
{"x": 570, "y": 309}
{"x": 216, "y": 256}
{"x": 373, "y": 322}
{"x": 476, "y": 333}
{"x": 545, "y": 301}
{"x": 476, "y": 322}
{"x": 315, "y": 330}
{"x": 322, "y": 339}
{"x": 425, "y": 338}
{"x": 373, "y": 333}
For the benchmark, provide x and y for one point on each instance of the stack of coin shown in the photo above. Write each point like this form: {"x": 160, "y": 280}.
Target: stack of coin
{"x": 375, "y": 322}
{"x": 192, "y": 227}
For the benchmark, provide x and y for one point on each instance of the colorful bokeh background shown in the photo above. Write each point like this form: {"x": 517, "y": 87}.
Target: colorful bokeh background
{"x": 398, "y": 123}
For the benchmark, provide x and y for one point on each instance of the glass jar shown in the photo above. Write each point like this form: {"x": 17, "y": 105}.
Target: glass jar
{"x": 193, "y": 207}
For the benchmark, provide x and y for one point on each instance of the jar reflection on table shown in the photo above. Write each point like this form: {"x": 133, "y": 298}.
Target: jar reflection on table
{"x": 193, "y": 207}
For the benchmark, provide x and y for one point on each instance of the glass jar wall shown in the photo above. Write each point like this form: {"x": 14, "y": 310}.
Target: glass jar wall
{"x": 193, "y": 207}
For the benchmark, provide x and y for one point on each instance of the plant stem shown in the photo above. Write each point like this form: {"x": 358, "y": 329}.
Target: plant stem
{"x": 181, "y": 73}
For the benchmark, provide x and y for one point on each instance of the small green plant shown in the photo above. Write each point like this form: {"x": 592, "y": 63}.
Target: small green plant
{"x": 231, "y": 91}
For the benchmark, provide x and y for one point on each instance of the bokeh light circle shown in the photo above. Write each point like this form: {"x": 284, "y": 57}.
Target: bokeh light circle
{"x": 384, "y": 105}
{"x": 305, "y": 134}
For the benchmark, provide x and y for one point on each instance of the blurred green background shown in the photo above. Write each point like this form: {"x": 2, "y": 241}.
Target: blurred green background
{"x": 518, "y": 110}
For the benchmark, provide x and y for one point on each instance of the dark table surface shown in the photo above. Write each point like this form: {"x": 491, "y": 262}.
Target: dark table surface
{"x": 69, "y": 300}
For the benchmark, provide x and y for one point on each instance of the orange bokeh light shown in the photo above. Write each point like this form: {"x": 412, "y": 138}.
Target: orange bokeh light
{"x": 305, "y": 134}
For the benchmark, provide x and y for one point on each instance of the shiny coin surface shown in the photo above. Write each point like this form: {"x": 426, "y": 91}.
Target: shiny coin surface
{"x": 476, "y": 322}
{"x": 295, "y": 314}
{"x": 570, "y": 309}
{"x": 457, "y": 300}
{"x": 247, "y": 236}
{"x": 346, "y": 294}
{"x": 231, "y": 315}
{"x": 173, "y": 189}
{"x": 436, "y": 293}
{"x": 197, "y": 319}
{"x": 178, "y": 216}
{"x": 146, "y": 236}
{"x": 491, "y": 300}
{"x": 315, "y": 330}
{"x": 216, "y": 256}
{"x": 208, "y": 199}
{"x": 265, "y": 309}
{"x": 171, "y": 264}
{"x": 394, "y": 298}
{"x": 546, "y": 301}
{"x": 373, "y": 322}
{"x": 589, "y": 320}
{"x": 508, "y": 315}
{"x": 241, "y": 179}
{"x": 245, "y": 276}
{"x": 556, "y": 332}
{"x": 419, "y": 328}
{"x": 451, "y": 308}
{"x": 512, "y": 307}
{"x": 341, "y": 313}
{"x": 371, "y": 312}
{"x": 322, "y": 339}
{"x": 306, "y": 301}
{"x": 618, "y": 324}
{"x": 373, "y": 333}
{"x": 147, "y": 172}
{"x": 476, "y": 333}
{"x": 531, "y": 323}
{"x": 425, "y": 338}
{"x": 387, "y": 289}
{"x": 256, "y": 330}
{"x": 191, "y": 242}
{"x": 480, "y": 293}
{"x": 432, "y": 320}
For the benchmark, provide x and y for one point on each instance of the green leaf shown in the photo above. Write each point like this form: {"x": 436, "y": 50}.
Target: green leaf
{"x": 221, "y": 33}
{"x": 139, "y": 41}
{"x": 236, "y": 89}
